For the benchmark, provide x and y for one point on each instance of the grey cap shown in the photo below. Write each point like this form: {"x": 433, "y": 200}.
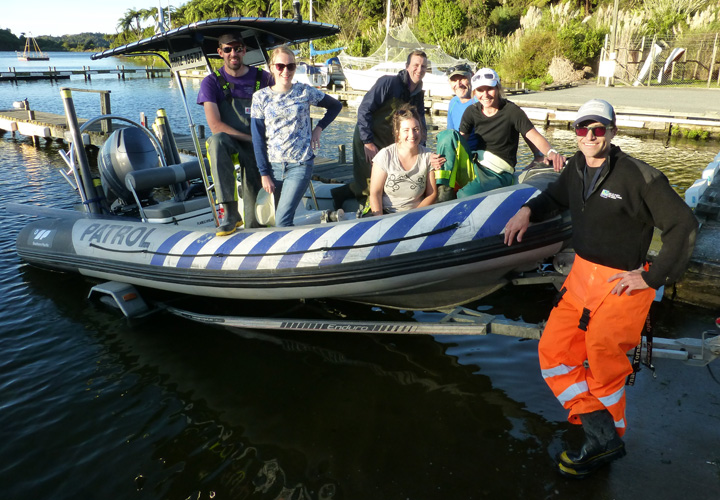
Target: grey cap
{"x": 229, "y": 38}
{"x": 595, "y": 110}
{"x": 460, "y": 69}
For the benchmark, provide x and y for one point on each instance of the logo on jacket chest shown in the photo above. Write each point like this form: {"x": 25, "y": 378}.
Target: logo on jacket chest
{"x": 605, "y": 193}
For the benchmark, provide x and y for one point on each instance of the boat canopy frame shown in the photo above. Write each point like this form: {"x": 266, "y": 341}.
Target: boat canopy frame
{"x": 259, "y": 35}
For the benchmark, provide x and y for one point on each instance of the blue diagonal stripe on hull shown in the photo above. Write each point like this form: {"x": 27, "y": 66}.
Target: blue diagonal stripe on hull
{"x": 303, "y": 243}
{"x": 192, "y": 251}
{"x": 228, "y": 246}
{"x": 455, "y": 216}
{"x": 165, "y": 247}
{"x": 348, "y": 239}
{"x": 397, "y": 230}
{"x": 495, "y": 223}
{"x": 260, "y": 249}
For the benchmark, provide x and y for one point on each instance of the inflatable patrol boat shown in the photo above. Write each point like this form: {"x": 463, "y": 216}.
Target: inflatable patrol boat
{"x": 428, "y": 258}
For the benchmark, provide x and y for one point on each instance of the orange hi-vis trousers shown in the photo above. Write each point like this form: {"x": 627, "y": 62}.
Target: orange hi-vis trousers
{"x": 583, "y": 349}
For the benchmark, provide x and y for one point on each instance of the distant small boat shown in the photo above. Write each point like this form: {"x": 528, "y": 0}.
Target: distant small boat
{"x": 32, "y": 52}
{"x": 322, "y": 75}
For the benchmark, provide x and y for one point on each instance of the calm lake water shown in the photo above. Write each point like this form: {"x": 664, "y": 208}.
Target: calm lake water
{"x": 93, "y": 407}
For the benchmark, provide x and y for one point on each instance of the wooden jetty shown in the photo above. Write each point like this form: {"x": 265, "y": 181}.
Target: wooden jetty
{"x": 632, "y": 121}
{"x": 51, "y": 126}
{"x": 52, "y": 73}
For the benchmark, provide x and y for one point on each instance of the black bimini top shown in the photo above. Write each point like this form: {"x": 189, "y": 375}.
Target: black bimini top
{"x": 259, "y": 34}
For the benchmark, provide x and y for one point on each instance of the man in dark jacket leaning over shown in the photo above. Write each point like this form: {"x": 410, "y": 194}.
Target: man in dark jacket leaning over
{"x": 615, "y": 202}
{"x": 374, "y": 126}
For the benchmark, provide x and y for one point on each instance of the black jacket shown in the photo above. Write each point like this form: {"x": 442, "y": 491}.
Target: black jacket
{"x": 379, "y": 104}
{"x": 614, "y": 226}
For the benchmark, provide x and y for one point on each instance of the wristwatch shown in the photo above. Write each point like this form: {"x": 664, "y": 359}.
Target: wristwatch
{"x": 551, "y": 150}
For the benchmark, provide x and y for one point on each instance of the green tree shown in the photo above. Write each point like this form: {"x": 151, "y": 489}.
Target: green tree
{"x": 130, "y": 23}
{"x": 581, "y": 43}
{"x": 504, "y": 19}
{"x": 531, "y": 58}
{"x": 441, "y": 19}
{"x": 8, "y": 41}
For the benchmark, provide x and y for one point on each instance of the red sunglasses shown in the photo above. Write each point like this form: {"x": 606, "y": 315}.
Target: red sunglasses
{"x": 281, "y": 67}
{"x": 598, "y": 131}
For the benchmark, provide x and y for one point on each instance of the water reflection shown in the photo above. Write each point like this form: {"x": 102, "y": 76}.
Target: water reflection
{"x": 257, "y": 415}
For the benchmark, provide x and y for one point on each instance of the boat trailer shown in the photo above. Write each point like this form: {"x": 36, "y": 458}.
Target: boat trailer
{"x": 460, "y": 321}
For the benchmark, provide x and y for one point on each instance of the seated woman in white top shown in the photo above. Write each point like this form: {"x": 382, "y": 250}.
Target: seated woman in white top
{"x": 402, "y": 177}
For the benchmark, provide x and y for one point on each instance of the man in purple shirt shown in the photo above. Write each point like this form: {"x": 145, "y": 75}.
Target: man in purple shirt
{"x": 226, "y": 95}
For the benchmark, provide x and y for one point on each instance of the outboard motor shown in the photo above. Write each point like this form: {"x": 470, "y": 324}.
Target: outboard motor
{"x": 126, "y": 150}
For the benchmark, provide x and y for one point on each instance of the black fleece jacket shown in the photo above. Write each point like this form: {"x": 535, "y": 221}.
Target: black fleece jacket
{"x": 614, "y": 226}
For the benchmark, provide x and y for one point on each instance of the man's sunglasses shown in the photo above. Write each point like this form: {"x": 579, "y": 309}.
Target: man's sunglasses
{"x": 280, "y": 67}
{"x": 465, "y": 68}
{"x": 238, "y": 48}
{"x": 597, "y": 131}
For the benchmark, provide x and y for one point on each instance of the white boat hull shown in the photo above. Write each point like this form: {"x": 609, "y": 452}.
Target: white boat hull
{"x": 435, "y": 257}
{"x": 433, "y": 84}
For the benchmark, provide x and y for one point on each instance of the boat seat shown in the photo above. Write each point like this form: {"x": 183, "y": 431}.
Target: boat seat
{"x": 170, "y": 176}
{"x": 171, "y": 209}
{"x": 144, "y": 180}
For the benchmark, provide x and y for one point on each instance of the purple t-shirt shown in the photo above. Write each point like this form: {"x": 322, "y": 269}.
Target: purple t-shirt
{"x": 244, "y": 86}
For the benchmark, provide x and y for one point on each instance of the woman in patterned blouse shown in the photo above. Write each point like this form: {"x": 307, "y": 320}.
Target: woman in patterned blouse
{"x": 283, "y": 141}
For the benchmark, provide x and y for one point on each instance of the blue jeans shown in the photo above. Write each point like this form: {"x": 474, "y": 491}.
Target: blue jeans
{"x": 293, "y": 178}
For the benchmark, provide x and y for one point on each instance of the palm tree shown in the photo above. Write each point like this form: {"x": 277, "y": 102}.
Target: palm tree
{"x": 131, "y": 23}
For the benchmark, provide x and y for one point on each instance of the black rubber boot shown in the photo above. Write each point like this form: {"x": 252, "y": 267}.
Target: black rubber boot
{"x": 602, "y": 445}
{"x": 445, "y": 193}
{"x": 231, "y": 221}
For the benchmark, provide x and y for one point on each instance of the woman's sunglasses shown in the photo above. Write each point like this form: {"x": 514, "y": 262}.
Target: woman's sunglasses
{"x": 597, "y": 131}
{"x": 238, "y": 48}
{"x": 280, "y": 67}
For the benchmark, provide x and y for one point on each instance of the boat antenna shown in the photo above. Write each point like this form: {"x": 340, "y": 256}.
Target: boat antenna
{"x": 161, "y": 18}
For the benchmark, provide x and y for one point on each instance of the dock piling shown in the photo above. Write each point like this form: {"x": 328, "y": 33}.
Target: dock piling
{"x": 341, "y": 154}
{"x": 106, "y": 125}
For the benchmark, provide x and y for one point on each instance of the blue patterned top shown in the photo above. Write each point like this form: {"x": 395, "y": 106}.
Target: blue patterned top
{"x": 286, "y": 117}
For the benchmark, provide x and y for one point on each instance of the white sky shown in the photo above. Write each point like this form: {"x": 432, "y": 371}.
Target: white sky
{"x": 69, "y": 17}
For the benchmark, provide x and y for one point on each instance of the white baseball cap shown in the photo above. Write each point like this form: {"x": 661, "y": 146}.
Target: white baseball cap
{"x": 595, "y": 110}
{"x": 485, "y": 77}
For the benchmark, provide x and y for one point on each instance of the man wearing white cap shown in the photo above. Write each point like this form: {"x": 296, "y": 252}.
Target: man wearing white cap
{"x": 498, "y": 124}
{"x": 615, "y": 202}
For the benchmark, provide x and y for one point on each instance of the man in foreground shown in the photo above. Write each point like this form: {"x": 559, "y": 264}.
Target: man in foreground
{"x": 226, "y": 96}
{"x": 615, "y": 202}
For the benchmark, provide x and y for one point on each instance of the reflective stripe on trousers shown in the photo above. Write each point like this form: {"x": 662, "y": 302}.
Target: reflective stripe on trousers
{"x": 586, "y": 369}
